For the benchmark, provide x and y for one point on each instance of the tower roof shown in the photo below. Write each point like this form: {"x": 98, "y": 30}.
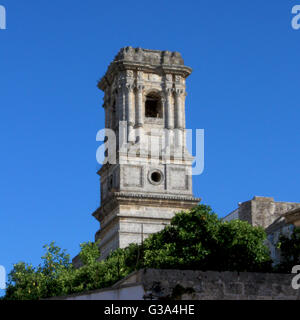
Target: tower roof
{"x": 156, "y": 61}
{"x": 151, "y": 57}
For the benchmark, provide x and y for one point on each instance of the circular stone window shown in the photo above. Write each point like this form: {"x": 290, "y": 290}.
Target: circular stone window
{"x": 156, "y": 177}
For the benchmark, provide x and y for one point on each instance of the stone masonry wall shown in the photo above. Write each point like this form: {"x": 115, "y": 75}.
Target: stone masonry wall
{"x": 198, "y": 285}
{"x": 154, "y": 284}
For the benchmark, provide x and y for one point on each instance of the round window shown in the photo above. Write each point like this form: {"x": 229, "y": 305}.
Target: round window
{"x": 155, "y": 177}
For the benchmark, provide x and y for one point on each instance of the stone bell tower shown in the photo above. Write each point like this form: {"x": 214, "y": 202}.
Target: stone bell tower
{"x": 148, "y": 179}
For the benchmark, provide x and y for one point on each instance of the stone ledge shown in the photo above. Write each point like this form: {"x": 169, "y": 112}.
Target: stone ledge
{"x": 152, "y": 196}
{"x": 117, "y": 198}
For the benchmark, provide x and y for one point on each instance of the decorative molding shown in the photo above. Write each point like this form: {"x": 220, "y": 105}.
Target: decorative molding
{"x": 129, "y": 183}
{"x": 169, "y": 77}
{"x": 129, "y": 87}
{"x": 178, "y": 91}
{"x": 157, "y": 121}
{"x": 153, "y": 196}
{"x": 168, "y": 91}
{"x": 144, "y": 60}
{"x": 129, "y": 73}
{"x": 140, "y": 87}
{"x": 177, "y": 78}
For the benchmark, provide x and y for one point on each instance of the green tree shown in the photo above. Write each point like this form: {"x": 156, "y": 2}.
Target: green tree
{"x": 187, "y": 243}
{"x": 56, "y": 276}
{"x": 241, "y": 248}
{"x": 27, "y": 282}
{"x": 289, "y": 251}
{"x": 195, "y": 239}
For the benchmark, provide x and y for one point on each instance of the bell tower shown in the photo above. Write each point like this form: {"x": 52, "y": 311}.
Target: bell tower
{"x": 146, "y": 176}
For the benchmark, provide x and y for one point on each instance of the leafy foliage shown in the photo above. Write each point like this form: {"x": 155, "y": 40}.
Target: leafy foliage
{"x": 195, "y": 239}
{"x": 290, "y": 251}
{"x": 199, "y": 240}
{"x": 27, "y": 282}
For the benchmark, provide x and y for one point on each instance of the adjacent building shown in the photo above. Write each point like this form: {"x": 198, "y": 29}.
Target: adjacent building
{"x": 275, "y": 217}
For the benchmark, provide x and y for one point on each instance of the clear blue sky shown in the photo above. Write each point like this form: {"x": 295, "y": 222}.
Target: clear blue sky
{"x": 244, "y": 91}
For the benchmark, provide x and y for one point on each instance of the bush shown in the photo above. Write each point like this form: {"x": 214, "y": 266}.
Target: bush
{"x": 290, "y": 251}
{"x": 198, "y": 240}
{"x": 195, "y": 240}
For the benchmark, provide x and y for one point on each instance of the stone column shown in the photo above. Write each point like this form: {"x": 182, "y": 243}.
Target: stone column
{"x": 169, "y": 124}
{"x": 183, "y": 110}
{"x": 179, "y": 122}
{"x": 184, "y": 120}
{"x": 130, "y": 114}
{"x": 121, "y": 103}
{"x": 106, "y": 114}
{"x": 109, "y": 117}
{"x": 115, "y": 111}
{"x": 106, "y": 107}
{"x": 140, "y": 113}
{"x": 140, "y": 109}
{"x": 166, "y": 133}
{"x": 169, "y": 116}
{"x": 178, "y": 108}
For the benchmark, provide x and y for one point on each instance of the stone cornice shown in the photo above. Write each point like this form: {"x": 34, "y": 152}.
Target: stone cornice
{"x": 163, "y": 62}
{"x": 293, "y": 216}
{"x": 117, "y": 198}
{"x": 153, "y": 196}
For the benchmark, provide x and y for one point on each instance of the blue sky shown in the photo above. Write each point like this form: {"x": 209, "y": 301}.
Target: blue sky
{"x": 243, "y": 91}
